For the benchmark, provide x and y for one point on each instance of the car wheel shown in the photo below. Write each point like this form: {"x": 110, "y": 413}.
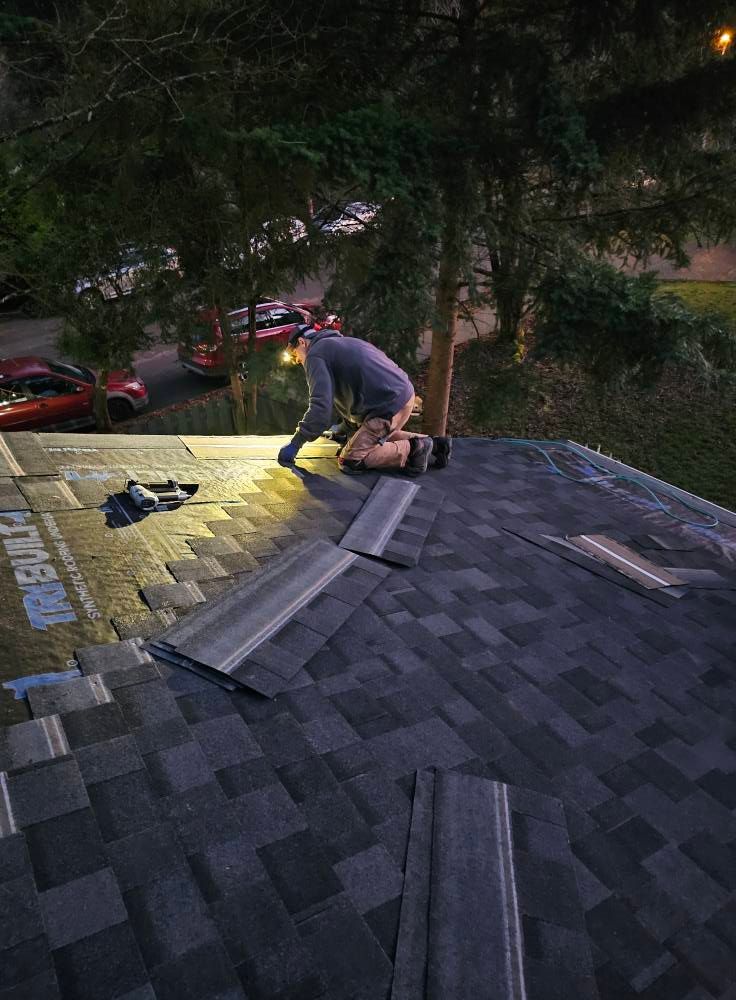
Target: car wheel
{"x": 119, "y": 409}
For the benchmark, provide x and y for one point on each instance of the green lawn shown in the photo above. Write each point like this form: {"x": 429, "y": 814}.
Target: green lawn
{"x": 706, "y": 296}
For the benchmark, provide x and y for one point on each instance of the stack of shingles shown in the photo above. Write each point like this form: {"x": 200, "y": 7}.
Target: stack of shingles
{"x": 490, "y": 906}
{"x": 264, "y": 629}
{"x": 394, "y": 522}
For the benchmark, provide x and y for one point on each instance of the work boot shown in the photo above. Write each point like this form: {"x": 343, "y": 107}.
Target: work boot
{"x": 420, "y": 450}
{"x": 441, "y": 451}
{"x": 351, "y": 466}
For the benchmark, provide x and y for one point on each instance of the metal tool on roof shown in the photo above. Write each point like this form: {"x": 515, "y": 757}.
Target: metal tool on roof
{"x": 152, "y": 496}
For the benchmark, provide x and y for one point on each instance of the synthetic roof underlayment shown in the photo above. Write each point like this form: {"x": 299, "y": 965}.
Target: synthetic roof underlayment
{"x": 506, "y": 770}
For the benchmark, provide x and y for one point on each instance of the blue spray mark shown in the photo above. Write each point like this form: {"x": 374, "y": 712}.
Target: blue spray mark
{"x": 20, "y": 685}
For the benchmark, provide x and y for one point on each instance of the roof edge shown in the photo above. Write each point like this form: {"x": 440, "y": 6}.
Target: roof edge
{"x": 722, "y": 513}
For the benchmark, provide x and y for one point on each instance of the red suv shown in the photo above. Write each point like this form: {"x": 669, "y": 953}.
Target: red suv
{"x": 37, "y": 393}
{"x": 274, "y": 323}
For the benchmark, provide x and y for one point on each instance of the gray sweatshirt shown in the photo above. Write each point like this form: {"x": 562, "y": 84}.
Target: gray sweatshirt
{"x": 355, "y": 378}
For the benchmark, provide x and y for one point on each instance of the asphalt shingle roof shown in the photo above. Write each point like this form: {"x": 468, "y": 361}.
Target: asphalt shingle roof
{"x": 161, "y": 837}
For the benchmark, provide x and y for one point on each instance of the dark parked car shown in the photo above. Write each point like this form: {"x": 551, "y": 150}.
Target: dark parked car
{"x": 39, "y": 394}
{"x": 133, "y": 266}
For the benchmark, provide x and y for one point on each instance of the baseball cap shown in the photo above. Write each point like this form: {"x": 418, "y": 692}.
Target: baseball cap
{"x": 301, "y": 330}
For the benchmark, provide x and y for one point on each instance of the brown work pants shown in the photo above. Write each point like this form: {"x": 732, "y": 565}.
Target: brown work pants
{"x": 380, "y": 443}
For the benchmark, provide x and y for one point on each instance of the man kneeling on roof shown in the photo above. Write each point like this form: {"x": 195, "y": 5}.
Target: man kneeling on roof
{"x": 371, "y": 394}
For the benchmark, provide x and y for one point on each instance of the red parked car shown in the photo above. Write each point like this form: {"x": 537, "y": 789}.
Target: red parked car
{"x": 274, "y": 323}
{"x": 39, "y": 394}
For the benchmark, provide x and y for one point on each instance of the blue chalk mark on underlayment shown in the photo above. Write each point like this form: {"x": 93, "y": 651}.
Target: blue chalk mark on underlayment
{"x": 20, "y": 685}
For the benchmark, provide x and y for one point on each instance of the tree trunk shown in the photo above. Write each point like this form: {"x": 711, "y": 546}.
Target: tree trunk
{"x": 444, "y": 328}
{"x": 509, "y": 309}
{"x": 236, "y": 385}
{"x": 239, "y": 418}
{"x": 252, "y": 380}
{"x": 453, "y": 255}
{"x": 512, "y": 264}
{"x": 103, "y": 422}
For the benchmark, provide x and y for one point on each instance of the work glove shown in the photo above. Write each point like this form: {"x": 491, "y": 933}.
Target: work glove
{"x": 288, "y": 453}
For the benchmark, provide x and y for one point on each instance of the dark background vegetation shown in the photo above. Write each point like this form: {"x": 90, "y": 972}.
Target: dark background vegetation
{"x": 513, "y": 150}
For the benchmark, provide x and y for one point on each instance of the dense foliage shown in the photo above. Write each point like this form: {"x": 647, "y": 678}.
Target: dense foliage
{"x": 613, "y": 325}
{"x": 500, "y": 140}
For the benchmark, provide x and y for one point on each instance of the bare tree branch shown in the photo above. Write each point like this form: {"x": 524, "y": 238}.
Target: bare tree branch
{"x": 88, "y": 110}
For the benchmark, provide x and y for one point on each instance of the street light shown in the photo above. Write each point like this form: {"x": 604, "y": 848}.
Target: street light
{"x": 723, "y": 41}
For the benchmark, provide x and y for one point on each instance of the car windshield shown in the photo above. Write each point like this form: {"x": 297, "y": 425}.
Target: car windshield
{"x": 73, "y": 371}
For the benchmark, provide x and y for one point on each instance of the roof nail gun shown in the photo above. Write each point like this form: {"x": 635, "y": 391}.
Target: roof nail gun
{"x": 150, "y": 496}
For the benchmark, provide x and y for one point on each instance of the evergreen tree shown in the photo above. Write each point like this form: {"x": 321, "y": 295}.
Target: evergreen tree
{"x": 552, "y": 128}
{"x": 162, "y": 136}
{"x": 501, "y": 139}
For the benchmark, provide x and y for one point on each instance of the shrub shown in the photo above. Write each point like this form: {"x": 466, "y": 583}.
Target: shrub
{"x": 616, "y": 327}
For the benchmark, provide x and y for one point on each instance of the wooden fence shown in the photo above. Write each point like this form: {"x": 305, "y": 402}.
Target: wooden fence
{"x": 213, "y": 415}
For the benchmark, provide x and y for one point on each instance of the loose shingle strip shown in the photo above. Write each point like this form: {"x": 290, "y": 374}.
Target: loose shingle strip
{"x": 171, "y": 656}
{"x": 410, "y": 969}
{"x": 468, "y": 887}
{"x": 393, "y": 522}
{"x": 379, "y": 516}
{"x": 263, "y": 630}
{"x": 570, "y": 553}
{"x": 223, "y": 632}
{"x": 625, "y": 560}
